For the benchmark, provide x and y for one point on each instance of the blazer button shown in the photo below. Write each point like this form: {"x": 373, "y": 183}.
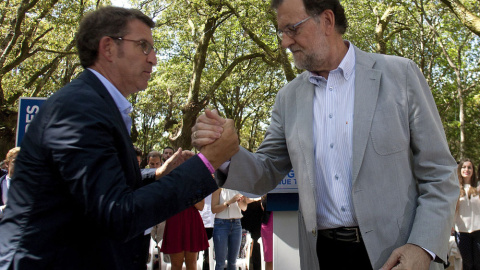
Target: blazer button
{"x": 314, "y": 232}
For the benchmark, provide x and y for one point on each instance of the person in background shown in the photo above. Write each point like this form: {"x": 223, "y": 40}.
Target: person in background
{"x": 5, "y": 180}
{"x": 3, "y": 168}
{"x": 139, "y": 155}
{"x": 467, "y": 216}
{"x": 227, "y": 205}
{"x": 208, "y": 219}
{"x": 251, "y": 221}
{"x": 77, "y": 199}
{"x": 267, "y": 235}
{"x": 167, "y": 153}
{"x": 154, "y": 159}
{"x": 184, "y": 237}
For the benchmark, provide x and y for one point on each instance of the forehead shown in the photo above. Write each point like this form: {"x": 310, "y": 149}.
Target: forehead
{"x": 290, "y": 12}
{"x": 467, "y": 163}
{"x": 168, "y": 150}
{"x": 138, "y": 30}
{"x": 153, "y": 159}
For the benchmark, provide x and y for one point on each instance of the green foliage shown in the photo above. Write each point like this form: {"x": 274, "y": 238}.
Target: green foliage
{"x": 225, "y": 55}
{"x": 208, "y": 56}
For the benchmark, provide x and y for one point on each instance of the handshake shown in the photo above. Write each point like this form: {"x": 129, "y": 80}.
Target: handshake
{"x": 215, "y": 137}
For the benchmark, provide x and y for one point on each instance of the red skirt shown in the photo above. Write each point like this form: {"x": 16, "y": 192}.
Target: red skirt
{"x": 184, "y": 232}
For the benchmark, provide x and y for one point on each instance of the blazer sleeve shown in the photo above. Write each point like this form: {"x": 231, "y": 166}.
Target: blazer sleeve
{"x": 433, "y": 167}
{"x": 86, "y": 149}
{"x": 261, "y": 172}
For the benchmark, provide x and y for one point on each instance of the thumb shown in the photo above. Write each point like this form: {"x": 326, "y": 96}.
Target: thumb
{"x": 392, "y": 261}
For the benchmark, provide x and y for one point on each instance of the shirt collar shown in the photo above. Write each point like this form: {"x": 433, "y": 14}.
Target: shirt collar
{"x": 123, "y": 105}
{"x": 346, "y": 67}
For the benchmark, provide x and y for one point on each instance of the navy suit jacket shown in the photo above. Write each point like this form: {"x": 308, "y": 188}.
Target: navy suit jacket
{"x": 77, "y": 200}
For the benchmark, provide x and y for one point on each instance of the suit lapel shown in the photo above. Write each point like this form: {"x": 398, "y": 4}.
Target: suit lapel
{"x": 98, "y": 86}
{"x": 367, "y": 83}
{"x": 304, "y": 120}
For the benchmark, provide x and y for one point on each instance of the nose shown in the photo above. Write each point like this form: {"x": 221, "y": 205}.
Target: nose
{"x": 152, "y": 58}
{"x": 287, "y": 41}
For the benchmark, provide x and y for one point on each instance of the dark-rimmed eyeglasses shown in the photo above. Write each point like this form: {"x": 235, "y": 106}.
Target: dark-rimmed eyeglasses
{"x": 291, "y": 31}
{"x": 145, "y": 45}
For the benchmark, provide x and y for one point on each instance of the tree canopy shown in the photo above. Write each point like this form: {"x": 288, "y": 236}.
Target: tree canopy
{"x": 225, "y": 55}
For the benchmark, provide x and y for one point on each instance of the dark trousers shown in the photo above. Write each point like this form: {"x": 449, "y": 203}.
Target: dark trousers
{"x": 469, "y": 246}
{"x": 338, "y": 255}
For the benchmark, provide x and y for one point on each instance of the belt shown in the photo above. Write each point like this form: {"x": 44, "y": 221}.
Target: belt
{"x": 228, "y": 219}
{"x": 344, "y": 234}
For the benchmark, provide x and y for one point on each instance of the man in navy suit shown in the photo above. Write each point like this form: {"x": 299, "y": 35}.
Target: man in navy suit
{"x": 77, "y": 199}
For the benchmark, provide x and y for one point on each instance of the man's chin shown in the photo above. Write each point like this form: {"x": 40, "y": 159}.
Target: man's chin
{"x": 299, "y": 64}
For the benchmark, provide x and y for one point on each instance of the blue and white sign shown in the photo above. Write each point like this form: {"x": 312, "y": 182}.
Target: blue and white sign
{"x": 287, "y": 185}
{"x": 27, "y": 109}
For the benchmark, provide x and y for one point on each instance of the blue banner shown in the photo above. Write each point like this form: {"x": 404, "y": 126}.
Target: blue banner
{"x": 27, "y": 109}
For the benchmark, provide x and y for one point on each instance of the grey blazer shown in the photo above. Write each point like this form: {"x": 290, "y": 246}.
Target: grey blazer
{"x": 404, "y": 177}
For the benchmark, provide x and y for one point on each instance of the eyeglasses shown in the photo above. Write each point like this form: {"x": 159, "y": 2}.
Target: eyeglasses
{"x": 291, "y": 31}
{"x": 146, "y": 47}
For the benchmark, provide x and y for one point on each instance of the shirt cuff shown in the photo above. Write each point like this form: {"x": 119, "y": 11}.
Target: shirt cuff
{"x": 431, "y": 254}
{"x": 207, "y": 163}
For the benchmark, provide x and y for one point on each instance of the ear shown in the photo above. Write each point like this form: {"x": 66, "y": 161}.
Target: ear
{"x": 329, "y": 21}
{"x": 107, "y": 48}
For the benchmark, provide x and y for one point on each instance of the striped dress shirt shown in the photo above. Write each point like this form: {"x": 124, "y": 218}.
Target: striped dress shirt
{"x": 333, "y": 125}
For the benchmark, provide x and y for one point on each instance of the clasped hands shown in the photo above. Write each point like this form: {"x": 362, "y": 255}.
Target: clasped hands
{"x": 215, "y": 137}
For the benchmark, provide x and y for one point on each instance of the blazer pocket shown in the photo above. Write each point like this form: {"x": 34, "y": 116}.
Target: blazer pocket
{"x": 389, "y": 131}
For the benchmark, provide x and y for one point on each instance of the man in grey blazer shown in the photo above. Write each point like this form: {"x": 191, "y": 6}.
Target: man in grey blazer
{"x": 376, "y": 180}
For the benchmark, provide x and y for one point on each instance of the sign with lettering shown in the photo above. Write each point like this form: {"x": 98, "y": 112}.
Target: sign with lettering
{"x": 27, "y": 109}
{"x": 287, "y": 185}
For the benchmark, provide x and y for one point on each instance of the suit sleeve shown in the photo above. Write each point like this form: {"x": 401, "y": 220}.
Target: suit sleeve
{"x": 261, "y": 172}
{"x": 433, "y": 167}
{"x": 94, "y": 166}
